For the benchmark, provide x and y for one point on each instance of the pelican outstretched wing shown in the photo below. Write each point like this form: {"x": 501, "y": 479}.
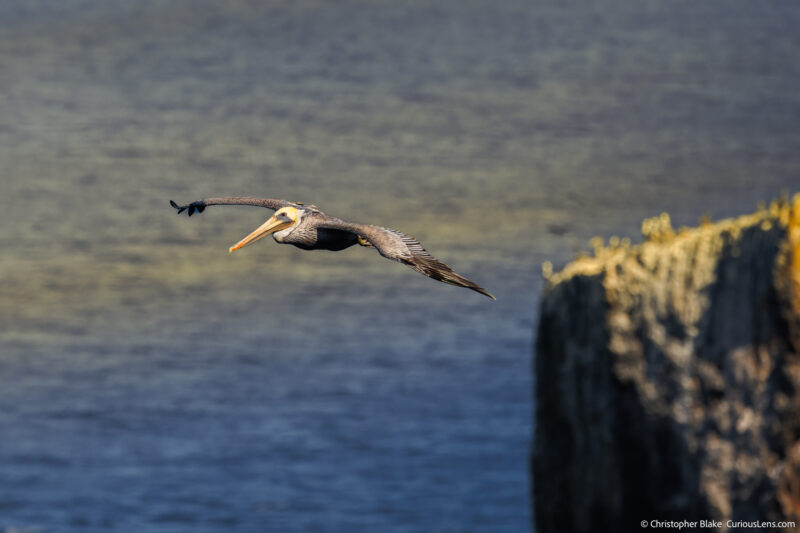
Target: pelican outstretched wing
{"x": 200, "y": 205}
{"x": 397, "y": 246}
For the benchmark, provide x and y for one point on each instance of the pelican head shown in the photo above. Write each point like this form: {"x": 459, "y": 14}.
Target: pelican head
{"x": 284, "y": 218}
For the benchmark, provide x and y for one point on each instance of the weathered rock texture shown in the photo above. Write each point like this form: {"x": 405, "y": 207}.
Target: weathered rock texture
{"x": 668, "y": 379}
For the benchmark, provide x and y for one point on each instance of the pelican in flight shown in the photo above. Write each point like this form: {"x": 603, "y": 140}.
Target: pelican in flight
{"x": 306, "y": 227}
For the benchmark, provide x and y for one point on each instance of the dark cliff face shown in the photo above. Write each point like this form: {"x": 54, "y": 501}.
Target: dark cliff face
{"x": 668, "y": 379}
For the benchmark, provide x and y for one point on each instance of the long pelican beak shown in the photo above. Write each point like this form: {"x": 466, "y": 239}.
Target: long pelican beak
{"x": 270, "y": 226}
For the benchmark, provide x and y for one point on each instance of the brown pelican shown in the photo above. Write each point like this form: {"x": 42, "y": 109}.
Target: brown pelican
{"x": 306, "y": 227}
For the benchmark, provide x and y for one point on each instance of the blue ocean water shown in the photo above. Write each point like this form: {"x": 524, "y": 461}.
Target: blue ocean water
{"x": 150, "y": 381}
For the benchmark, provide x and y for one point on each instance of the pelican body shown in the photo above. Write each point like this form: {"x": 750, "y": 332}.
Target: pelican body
{"x": 306, "y": 227}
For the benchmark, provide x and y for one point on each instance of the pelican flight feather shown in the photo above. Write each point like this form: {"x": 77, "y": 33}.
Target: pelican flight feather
{"x": 306, "y": 227}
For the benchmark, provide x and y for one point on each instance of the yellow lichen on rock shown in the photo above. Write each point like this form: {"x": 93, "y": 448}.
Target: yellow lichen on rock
{"x": 792, "y": 217}
{"x": 794, "y": 246}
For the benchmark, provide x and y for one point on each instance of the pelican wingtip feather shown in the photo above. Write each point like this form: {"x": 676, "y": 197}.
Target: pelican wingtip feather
{"x": 198, "y": 206}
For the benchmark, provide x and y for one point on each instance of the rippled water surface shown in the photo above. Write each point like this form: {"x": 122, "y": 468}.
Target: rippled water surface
{"x": 150, "y": 381}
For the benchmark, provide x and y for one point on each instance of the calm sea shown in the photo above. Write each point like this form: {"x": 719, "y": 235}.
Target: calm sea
{"x": 150, "y": 381}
